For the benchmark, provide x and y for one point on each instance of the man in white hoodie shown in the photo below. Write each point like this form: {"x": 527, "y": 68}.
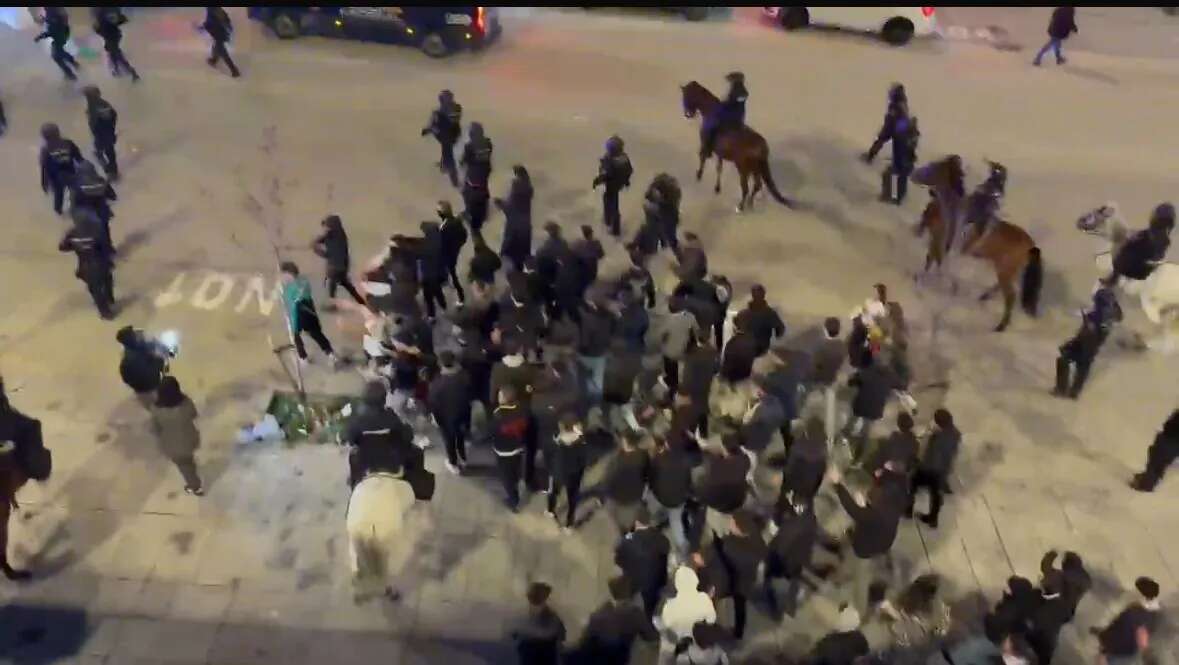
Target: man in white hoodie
{"x": 682, "y": 612}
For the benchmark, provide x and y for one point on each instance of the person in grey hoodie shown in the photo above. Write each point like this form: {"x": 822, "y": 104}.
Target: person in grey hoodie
{"x": 673, "y": 335}
{"x": 173, "y": 418}
{"x": 827, "y": 357}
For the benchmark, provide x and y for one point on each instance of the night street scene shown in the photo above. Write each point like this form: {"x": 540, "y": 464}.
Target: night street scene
{"x": 640, "y": 335}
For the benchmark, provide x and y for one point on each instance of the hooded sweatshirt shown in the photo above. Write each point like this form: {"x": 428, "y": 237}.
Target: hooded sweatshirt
{"x": 688, "y": 606}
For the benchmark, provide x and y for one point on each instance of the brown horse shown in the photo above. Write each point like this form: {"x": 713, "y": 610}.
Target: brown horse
{"x": 1008, "y": 248}
{"x": 745, "y": 148}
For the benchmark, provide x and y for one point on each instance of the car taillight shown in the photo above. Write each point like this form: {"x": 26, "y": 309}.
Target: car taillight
{"x": 479, "y": 19}
{"x": 927, "y": 12}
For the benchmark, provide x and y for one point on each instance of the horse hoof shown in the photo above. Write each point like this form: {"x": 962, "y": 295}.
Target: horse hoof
{"x": 699, "y": 175}
{"x": 716, "y": 190}
{"x": 1001, "y": 327}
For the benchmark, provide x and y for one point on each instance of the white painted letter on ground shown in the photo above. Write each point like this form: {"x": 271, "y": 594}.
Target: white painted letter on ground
{"x": 213, "y": 292}
{"x": 256, "y": 290}
{"x": 172, "y": 295}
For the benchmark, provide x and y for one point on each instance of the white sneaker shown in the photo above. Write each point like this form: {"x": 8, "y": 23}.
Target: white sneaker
{"x": 452, "y": 468}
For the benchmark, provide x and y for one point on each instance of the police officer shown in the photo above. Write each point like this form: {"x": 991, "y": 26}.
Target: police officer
{"x": 1137, "y": 257}
{"x": 95, "y": 266}
{"x": 380, "y": 440}
{"x": 614, "y": 171}
{"x": 901, "y": 129}
{"x": 219, "y": 28}
{"x": 1096, "y": 323}
{"x": 477, "y": 161}
{"x": 446, "y": 126}
{"x": 103, "y": 120}
{"x": 730, "y": 113}
{"x": 3, "y": 119}
{"x": 898, "y": 105}
{"x": 57, "y": 29}
{"x": 107, "y": 24}
{"x": 59, "y": 157}
{"x": 91, "y": 190}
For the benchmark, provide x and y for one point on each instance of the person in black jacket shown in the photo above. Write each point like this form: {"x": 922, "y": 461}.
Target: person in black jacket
{"x": 901, "y": 448}
{"x": 484, "y": 262}
{"x": 446, "y": 125}
{"x": 57, "y": 30}
{"x": 671, "y": 486}
{"x": 873, "y": 532}
{"x": 740, "y": 555}
{"x": 626, "y": 481}
{"x": 58, "y": 162}
{"x": 103, "y": 121}
{"x": 723, "y": 484}
{"x": 517, "y": 239}
{"x": 432, "y": 268}
{"x": 1159, "y": 456}
{"x": 597, "y": 325}
{"x": 613, "y": 628}
{"x": 450, "y": 404}
{"x": 874, "y": 384}
{"x": 936, "y": 465}
{"x": 1075, "y": 581}
{"x": 141, "y": 367}
{"x": 90, "y": 190}
{"x": 454, "y": 236}
{"x": 740, "y": 351}
{"x": 642, "y": 556}
{"x": 219, "y": 28}
{"x": 846, "y": 645}
{"x": 380, "y": 440}
{"x": 539, "y": 636}
{"x": 762, "y": 320}
{"x": 108, "y": 22}
{"x": 509, "y": 430}
{"x": 589, "y": 253}
{"x": 1060, "y": 26}
{"x": 95, "y": 259}
{"x": 698, "y": 370}
{"x": 1048, "y": 618}
{"x": 477, "y": 161}
{"x": 614, "y": 172}
{"x": 806, "y": 462}
{"x": 332, "y": 245}
{"x": 790, "y": 552}
{"x": 566, "y": 458}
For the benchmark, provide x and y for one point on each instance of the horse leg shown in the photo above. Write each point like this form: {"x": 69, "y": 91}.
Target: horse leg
{"x": 990, "y": 293}
{"x": 700, "y": 171}
{"x": 9, "y": 572}
{"x": 744, "y": 188}
{"x": 1006, "y": 284}
{"x": 757, "y": 184}
{"x": 720, "y": 165}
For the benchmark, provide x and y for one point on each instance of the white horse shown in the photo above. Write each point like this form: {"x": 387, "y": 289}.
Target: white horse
{"x": 376, "y": 538}
{"x": 1158, "y": 293}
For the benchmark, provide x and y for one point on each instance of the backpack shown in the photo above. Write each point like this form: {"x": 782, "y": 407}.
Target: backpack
{"x": 33, "y": 458}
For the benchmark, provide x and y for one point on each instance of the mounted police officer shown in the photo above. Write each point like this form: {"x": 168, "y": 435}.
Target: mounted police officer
{"x": 91, "y": 190}
{"x": 1096, "y": 323}
{"x": 59, "y": 157}
{"x": 477, "y": 161}
{"x": 57, "y": 30}
{"x": 108, "y": 23}
{"x": 729, "y": 114}
{"x": 103, "y": 121}
{"x": 380, "y": 440}
{"x": 95, "y": 262}
{"x": 446, "y": 126}
{"x": 982, "y": 206}
{"x": 1137, "y": 257}
{"x": 614, "y": 171}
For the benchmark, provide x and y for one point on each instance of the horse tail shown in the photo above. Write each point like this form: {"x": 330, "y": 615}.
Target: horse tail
{"x": 1032, "y": 281}
{"x": 763, "y": 168}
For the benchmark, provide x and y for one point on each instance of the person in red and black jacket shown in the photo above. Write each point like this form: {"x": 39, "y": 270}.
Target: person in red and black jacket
{"x": 509, "y": 430}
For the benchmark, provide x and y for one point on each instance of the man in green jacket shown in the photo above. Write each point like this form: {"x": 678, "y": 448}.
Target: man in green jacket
{"x": 300, "y": 312}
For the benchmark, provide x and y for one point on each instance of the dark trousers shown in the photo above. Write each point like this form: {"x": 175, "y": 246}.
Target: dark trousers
{"x": 650, "y": 595}
{"x": 446, "y": 164}
{"x": 718, "y": 331}
{"x": 58, "y": 186}
{"x": 1080, "y": 352}
{"x": 220, "y": 53}
{"x": 901, "y": 175}
{"x": 454, "y": 435}
{"x": 118, "y": 61}
{"x": 932, "y": 482}
{"x": 740, "y": 605}
{"x": 509, "y": 475}
{"x": 3, "y": 119}
{"x": 776, "y": 569}
{"x": 671, "y": 375}
{"x": 64, "y": 60}
{"x": 337, "y": 278}
{"x": 309, "y": 323}
{"x": 1161, "y": 454}
{"x": 101, "y": 285}
{"x": 188, "y": 470}
{"x": 610, "y": 214}
{"x": 432, "y": 294}
{"x": 452, "y": 275}
{"x": 572, "y": 486}
{"x": 475, "y": 201}
{"x": 104, "y": 150}
{"x": 531, "y": 445}
{"x": 787, "y": 432}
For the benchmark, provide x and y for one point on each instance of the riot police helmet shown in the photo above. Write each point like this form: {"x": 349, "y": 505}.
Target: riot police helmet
{"x": 51, "y": 132}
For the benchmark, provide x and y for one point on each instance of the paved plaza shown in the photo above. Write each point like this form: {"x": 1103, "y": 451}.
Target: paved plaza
{"x": 130, "y": 570}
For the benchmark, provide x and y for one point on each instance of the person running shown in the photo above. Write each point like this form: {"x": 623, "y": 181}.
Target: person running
{"x": 301, "y": 314}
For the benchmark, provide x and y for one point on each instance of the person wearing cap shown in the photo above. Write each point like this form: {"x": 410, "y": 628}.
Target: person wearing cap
{"x": 539, "y": 635}
{"x": 612, "y": 629}
{"x": 1127, "y": 636}
{"x": 614, "y": 172}
{"x": 332, "y": 245}
{"x": 764, "y": 322}
{"x": 516, "y": 245}
{"x": 449, "y": 402}
{"x": 642, "y": 555}
{"x": 446, "y": 126}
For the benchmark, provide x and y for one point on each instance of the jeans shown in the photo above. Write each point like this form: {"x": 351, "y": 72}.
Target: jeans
{"x": 1054, "y": 45}
{"x": 594, "y": 377}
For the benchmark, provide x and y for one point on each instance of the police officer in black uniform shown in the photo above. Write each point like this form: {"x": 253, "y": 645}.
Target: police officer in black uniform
{"x": 380, "y": 440}
{"x": 898, "y": 105}
{"x": 103, "y": 120}
{"x": 95, "y": 264}
{"x": 1137, "y": 257}
{"x": 477, "y": 160}
{"x": 1096, "y": 323}
{"x": 59, "y": 157}
{"x": 901, "y": 129}
{"x": 57, "y": 30}
{"x": 730, "y": 113}
{"x": 91, "y": 190}
{"x": 219, "y": 28}
{"x": 446, "y": 126}
{"x": 614, "y": 171}
{"x": 108, "y": 23}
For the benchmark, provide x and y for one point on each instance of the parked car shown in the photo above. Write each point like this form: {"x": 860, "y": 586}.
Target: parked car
{"x": 438, "y": 31}
{"x": 896, "y": 25}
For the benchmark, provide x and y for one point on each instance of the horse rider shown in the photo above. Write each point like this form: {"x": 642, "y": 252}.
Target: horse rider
{"x": 946, "y": 178}
{"x": 380, "y": 440}
{"x": 901, "y": 129}
{"x": 614, "y": 171}
{"x": 446, "y": 127}
{"x": 1081, "y": 350}
{"x": 1139, "y": 255}
{"x": 729, "y": 114}
{"x": 982, "y": 206}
